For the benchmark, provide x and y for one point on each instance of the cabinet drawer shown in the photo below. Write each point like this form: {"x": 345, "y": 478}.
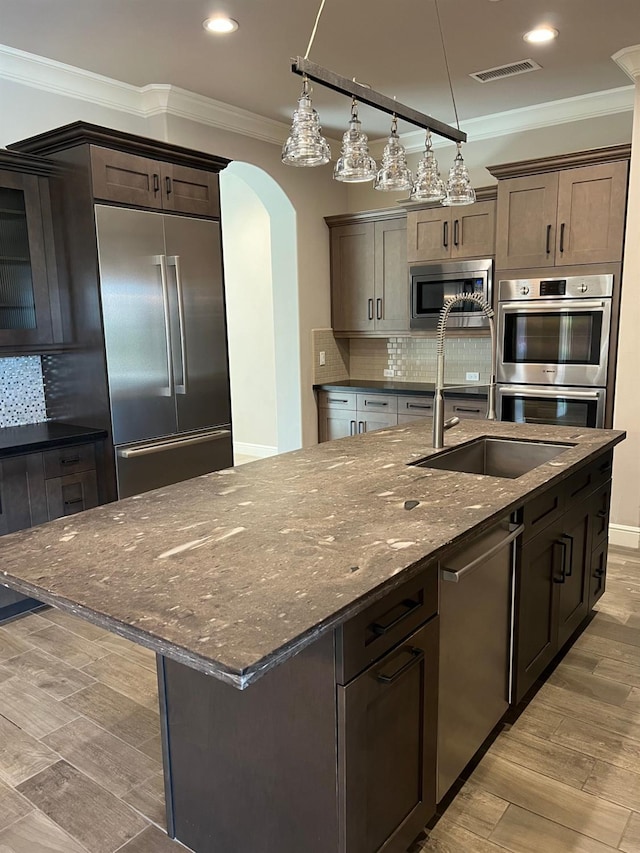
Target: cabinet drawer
{"x": 367, "y": 636}
{"x": 71, "y": 494}
{"x": 380, "y": 403}
{"x": 541, "y": 511}
{"x": 69, "y": 460}
{"x": 421, "y": 406}
{"x": 465, "y": 408}
{"x": 337, "y": 400}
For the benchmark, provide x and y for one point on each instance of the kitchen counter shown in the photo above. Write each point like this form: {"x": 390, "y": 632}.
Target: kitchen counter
{"x": 30, "y": 438}
{"x": 407, "y": 388}
{"x": 234, "y": 572}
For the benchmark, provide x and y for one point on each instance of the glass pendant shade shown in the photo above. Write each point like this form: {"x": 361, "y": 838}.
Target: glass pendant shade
{"x": 394, "y": 174}
{"x": 428, "y": 185}
{"x": 459, "y": 189}
{"x": 355, "y": 165}
{"x": 306, "y": 146}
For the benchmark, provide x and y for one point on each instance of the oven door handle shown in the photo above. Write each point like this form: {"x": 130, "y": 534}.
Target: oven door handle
{"x": 548, "y": 392}
{"x": 536, "y": 307}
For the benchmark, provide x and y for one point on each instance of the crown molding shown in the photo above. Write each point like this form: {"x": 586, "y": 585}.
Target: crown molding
{"x": 48, "y": 75}
{"x": 578, "y": 108}
{"x": 629, "y": 60}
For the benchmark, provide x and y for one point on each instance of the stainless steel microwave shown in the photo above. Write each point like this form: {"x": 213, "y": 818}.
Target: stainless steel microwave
{"x": 432, "y": 283}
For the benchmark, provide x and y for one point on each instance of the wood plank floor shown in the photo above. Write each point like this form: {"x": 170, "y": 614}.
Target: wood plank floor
{"x": 80, "y": 757}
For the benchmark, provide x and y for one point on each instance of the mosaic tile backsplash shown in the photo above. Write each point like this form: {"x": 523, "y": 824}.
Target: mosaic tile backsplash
{"x": 21, "y": 391}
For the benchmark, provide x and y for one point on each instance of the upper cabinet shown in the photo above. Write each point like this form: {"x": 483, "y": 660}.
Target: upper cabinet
{"x": 439, "y": 233}
{"x": 28, "y": 280}
{"x": 369, "y": 275}
{"x": 562, "y": 217}
{"x": 126, "y": 178}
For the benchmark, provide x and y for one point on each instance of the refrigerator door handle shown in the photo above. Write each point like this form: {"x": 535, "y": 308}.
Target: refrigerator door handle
{"x": 174, "y": 261}
{"x": 161, "y": 261}
{"x": 159, "y": 446}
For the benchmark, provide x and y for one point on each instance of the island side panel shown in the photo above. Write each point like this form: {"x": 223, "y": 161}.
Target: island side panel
{"x": 253, "y": 769}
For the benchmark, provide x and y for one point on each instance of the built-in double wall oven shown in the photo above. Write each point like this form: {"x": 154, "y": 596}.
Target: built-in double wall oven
{"x": 553, "y": 346}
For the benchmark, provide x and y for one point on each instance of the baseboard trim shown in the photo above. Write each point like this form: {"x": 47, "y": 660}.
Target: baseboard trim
{"x": 624, "y": 536}
{"x": 261, "y": 451}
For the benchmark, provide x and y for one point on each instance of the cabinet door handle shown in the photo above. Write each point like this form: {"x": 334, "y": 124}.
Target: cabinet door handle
{"x": 74, "y": 501}
{"x": 598, "y": 573}
{"x": 370, "y": 304}
{"x": 70, "y": 460}
{"x": 562, "y": 238}
{"x": 352, "y": 427}
{"x": 456, "y": 230}
{"x": 156, "y": 183}
{"x": 569, "y": 569}
{"x": 563, "y": 569}
{"x": 379, "y": 309}
{"x": 389, "y": 620}
{"x": 361, "y": 426}
{"x": 167, "y": 184}
{"x": 445, "y": 234}
{"x": 602, "y": 513}
{"x": 415, "y": 656}
{"x": 548, "y": 239}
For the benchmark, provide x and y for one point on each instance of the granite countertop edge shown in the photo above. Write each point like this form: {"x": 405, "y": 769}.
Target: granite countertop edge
{"x": 47, "y": 435}
{"x": 243, "y": 667}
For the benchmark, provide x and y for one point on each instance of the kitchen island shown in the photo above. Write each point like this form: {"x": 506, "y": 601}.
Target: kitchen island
{"x": 264, "y": 574}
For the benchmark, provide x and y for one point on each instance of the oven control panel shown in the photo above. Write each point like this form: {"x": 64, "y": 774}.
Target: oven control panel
{"x": 572, "y": 287}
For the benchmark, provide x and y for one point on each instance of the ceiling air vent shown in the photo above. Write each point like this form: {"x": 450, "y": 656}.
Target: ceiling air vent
{"x": 510, "y": 70}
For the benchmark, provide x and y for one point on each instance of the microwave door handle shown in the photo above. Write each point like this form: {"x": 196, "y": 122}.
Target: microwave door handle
{"x": 515, "y": 390}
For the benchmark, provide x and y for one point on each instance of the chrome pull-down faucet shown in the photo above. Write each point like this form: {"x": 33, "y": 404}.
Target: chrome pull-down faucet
{"x": 439, "y": 423}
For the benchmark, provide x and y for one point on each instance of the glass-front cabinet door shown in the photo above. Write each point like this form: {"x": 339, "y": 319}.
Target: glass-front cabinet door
{"x": 25, "y": 316}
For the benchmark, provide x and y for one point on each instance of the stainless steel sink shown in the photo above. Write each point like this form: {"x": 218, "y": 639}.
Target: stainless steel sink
{"x": 494, "y": 457}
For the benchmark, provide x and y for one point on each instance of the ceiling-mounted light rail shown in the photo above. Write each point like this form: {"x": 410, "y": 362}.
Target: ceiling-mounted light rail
{"x": 365, "y": 95}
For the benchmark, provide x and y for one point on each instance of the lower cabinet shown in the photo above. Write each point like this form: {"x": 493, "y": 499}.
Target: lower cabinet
{"x": 345, "y": 413}
{"x": 560, "y": 570}
{"x": 332, "y": 751}
{"x": 387, "y": 746}
{"x": 40, "y": 487}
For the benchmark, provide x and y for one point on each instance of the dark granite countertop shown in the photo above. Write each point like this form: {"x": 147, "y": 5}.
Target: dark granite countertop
{"x": 233, "y": 572}
{"x": 14, "y": 441}
{"x": 407, "y": 388}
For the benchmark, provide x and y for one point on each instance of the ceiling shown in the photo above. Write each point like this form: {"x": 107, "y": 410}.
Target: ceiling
{"x": 393, "y": 46}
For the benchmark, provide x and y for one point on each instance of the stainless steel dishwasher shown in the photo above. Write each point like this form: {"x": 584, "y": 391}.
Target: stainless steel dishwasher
{"x": 475, "y": 647}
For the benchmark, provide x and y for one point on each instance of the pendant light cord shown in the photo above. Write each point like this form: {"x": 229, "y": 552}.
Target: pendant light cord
{"x": 446, "y": 63}
{"x": 315, "y": 27}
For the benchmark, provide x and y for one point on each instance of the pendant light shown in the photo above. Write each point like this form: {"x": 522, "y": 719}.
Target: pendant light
{"x": 428, "y": 185}
{"x": 459, "y": 189}
{"x": 355, "y": 165}
{"x": 306, "y": 146}
{"x": 394, "y": 174}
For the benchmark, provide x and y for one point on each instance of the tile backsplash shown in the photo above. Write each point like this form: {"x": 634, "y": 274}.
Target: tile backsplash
{"x": 21, "y": 391}
{"x": 400, "y": 359}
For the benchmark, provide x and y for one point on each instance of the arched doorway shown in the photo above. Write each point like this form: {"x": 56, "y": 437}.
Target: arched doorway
{"x": 259, "y": 244}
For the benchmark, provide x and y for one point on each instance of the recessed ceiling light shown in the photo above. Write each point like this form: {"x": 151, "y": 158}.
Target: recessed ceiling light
{"x": 541, "y": 35}
{"x": 220, "y": 25}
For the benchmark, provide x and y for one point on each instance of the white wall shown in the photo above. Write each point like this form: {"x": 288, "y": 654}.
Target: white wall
{"x": 246, "y": 240}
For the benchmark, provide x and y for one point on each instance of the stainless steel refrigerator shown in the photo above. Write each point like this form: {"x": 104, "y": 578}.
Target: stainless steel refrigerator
{"x": 164, "y": 327}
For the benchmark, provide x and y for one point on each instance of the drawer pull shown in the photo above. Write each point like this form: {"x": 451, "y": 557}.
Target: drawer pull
{"x": 391, "y": 618}
{"x": 419, "y": 405}
{"x": 335, "y": 400}
{"x": 375, "y": 403}
{"x": 584, "y": 486}
{"x": 74, "y": 501}
{"x": 605, "y": 466}
{"x": 415, "y": 656}
{"x": 466, "y": 409}
{"x": 71, "y": 460}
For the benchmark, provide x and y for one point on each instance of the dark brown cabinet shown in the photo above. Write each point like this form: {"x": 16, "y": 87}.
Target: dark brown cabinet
{"x": 559, "y": 218}
{"x": 39, "y": 487}
{"x": 28, "y": 280}
{"x": 560, "y": 568}
{"x": 369, "y": 276}
{"x": 386, "y": 724}
{"x": 439, "y": 233}
{"x": 131, "y": 179}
